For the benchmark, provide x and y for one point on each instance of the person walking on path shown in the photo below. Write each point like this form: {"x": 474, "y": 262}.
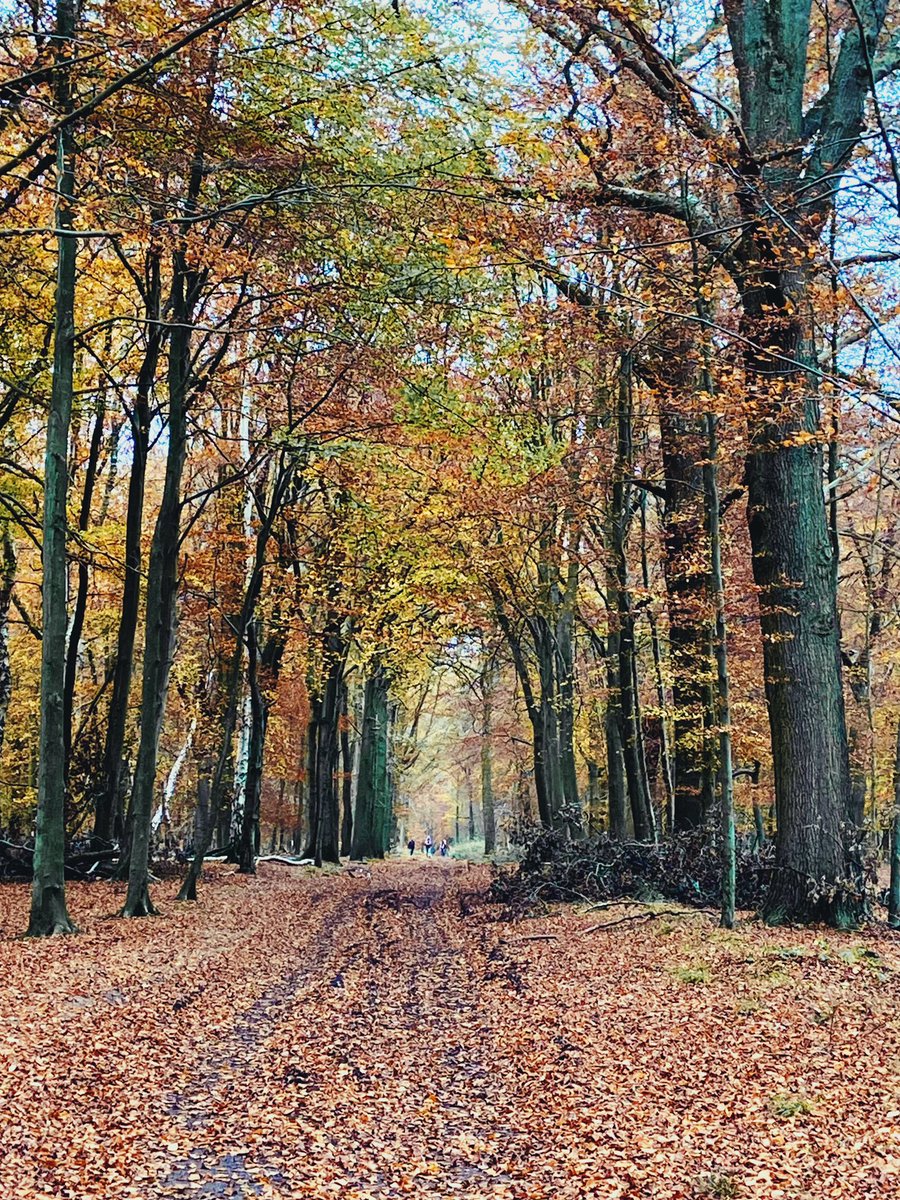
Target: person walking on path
{"x": 428, "y": 845}
{"x": 411, "y": 846}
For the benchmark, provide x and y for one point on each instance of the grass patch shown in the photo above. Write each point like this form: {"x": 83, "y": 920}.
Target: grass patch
{"x": 696, "y": 975}
{"x": 790, "y": 1104}
{"x": 718, "y": 1185}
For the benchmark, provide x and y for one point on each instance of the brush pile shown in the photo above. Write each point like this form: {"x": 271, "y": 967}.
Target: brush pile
{"x": 686, "y": 869}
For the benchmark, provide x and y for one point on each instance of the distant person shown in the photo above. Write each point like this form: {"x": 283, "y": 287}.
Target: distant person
{"x": 428, "y": 845}
{"x": 444, "y": 849}
{"x": 411, "y": 846}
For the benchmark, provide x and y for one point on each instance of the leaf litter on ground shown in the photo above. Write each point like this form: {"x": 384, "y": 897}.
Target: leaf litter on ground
{"x": 384, "y": 1034}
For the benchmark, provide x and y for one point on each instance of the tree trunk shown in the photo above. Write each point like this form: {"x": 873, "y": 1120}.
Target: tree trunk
{"x": 687, "y": 581}
{"x": 219, "y": 779}
{"x": 109, "y": 820}
{"x": 162, "y": 590}
{"x": 371, "y": 785}
{"x": 792, "y": 567}
{"x": 487, "y": 781}
{"x": 201, "y": 813}
{"x": 346, "y": 776}
{"x": 617, "y": 791}
{"x": 81, "y": 592}
{"x": 623, "y": 616}
{"x": 324, "y": 753}
{"x": 8, "y": 565}
{"x": 49, "y": 914}
{"x": 259, "y": 717}
{"x": 894, "y": 889}
{"x": 665, "y": 753}
{"x": 547, "y": 731}
{"x": 534, "y": 709}
{"x": 565, "y": 678}
{"x": 242, "y": 631}
{"x": 720, "y": 649}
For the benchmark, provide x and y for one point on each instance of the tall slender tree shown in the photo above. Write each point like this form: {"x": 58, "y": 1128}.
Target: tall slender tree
{"x": 49, "y": 914}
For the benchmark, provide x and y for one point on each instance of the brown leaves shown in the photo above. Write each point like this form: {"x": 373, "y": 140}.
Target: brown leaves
{"x": 288, "y": 1037}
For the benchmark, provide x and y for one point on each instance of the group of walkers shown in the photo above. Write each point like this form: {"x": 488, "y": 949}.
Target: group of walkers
{"x": 428, "y": 847}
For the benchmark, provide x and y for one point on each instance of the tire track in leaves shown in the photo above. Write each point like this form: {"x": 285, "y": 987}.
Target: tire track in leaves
{"x": 404, "y": 1086}
{"x": 225, "y": 1074}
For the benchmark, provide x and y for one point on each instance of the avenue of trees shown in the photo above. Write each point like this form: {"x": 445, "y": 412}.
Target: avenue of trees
{"x": 419, "y": 415}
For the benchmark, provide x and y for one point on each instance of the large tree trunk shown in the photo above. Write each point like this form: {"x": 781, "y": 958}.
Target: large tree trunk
{"x": 792, "y": 567}
{"x": 372, "y": 782}
{"x": 323, "y": 746}
{"x": 49, "y": 914}
{"x": 815, "y": 877}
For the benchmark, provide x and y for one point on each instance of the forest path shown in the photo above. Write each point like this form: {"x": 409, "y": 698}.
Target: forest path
{"x": 383, "y": 1033}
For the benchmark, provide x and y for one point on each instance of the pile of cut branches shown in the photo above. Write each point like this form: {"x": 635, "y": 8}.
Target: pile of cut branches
{"x": 686, "y": 868}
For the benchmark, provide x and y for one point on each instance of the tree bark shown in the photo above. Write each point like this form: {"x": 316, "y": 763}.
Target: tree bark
{"x": 487, "y": 760}
{"x": 720, "y": 650}
{"x": 8, "y": 565}
{"x": 814, "y": 879}
{"x": 259, "y": 717}
{"x": 372, "y": 783}
{"x": 162, "y": 586}
{"x": 687, "y": 590}
{"x": 894, "y": 888}
{"x": 617, "y": 788}
{"x": 109, "y": 820}
{"x": 49, "y": 914}
{"x": 665, "y": 752}
{"x": 79, "y": 609}
{"x": 622, "y": 615}
{"x": 324, "y": 749}
{"x": 262, "y": 673}
{"x": 346, "y": 776}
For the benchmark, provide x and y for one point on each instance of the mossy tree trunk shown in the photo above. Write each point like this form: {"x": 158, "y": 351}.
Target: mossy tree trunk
{"x": 49, "y": 914}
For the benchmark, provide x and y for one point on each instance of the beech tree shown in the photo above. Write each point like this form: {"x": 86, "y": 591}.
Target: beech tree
{"x": 777, "y": 139}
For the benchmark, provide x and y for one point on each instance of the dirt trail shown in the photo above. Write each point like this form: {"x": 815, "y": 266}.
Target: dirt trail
{"x": 380, "y": 1034}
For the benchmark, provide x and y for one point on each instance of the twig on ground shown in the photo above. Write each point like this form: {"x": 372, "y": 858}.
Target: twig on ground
{"x": 645, "y": 916}
{"x": 534, "y": 937}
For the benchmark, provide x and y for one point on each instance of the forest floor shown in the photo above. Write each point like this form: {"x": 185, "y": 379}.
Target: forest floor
{"x": 384, "y": 1034}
